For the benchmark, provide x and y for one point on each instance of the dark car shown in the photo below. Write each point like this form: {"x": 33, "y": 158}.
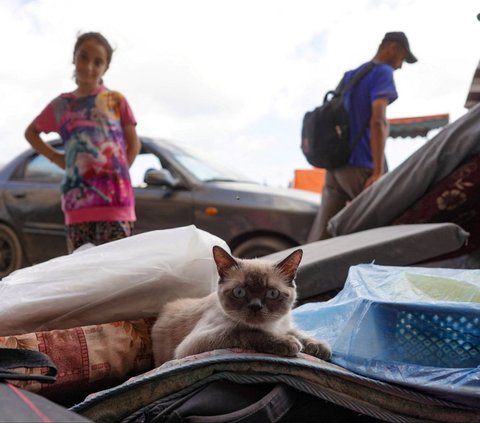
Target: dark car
{"x": 173, "y": 188}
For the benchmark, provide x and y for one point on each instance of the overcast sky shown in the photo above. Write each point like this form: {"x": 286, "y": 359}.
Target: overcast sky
{"x": 234, "y": 78}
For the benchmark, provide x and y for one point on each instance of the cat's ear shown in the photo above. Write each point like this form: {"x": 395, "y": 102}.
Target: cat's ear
{"x": 288, "y": 266}
{"x": 223, "y": 260}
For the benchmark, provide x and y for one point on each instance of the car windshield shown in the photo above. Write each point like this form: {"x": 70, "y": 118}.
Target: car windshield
{"x": 206, "y": 170}
{"x": 203, "y": 170}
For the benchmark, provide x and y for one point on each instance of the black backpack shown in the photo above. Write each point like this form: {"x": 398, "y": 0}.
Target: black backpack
{"x": 224, "y": 401}
{"x": 325, "y": 133}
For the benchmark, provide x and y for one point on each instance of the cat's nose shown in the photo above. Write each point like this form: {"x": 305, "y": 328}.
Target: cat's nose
{"x": 255, "y": 305}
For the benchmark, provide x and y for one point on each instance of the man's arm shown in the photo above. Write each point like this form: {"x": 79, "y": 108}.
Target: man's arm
{"x": 378, "y": 137}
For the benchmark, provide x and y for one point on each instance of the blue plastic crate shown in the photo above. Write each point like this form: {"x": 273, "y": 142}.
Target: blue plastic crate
{"x": 442, "y": 338}
{"x": 423, "y": 334}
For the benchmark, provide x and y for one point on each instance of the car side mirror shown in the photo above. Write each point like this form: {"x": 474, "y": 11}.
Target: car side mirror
{"x": 160, "y": 177}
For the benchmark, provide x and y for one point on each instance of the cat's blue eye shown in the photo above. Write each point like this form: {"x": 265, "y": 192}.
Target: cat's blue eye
{"x": 239, "y": 292}
{"x": 272, "y": 294}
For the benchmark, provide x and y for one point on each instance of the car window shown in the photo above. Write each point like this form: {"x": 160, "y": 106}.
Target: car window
{"x": 40, "y": 169}
{"x": 142, "y": 163}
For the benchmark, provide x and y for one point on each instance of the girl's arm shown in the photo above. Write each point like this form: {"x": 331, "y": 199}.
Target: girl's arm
{"x": 32, "y": 134}
{"x": 132, "y": 143}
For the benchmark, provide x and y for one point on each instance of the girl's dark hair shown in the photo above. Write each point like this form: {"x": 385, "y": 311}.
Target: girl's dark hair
{"x": 99, "y": 38}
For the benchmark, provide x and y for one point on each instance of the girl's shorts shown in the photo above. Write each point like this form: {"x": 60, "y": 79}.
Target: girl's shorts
{"x": 96, "y": 233}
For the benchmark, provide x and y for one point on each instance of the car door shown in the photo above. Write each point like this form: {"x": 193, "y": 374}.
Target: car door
{"x": 158, "y": 206}
{"x": 32, "y": 198}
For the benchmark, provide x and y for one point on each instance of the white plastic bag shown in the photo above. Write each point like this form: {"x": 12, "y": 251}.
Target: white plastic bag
{"x": 126, "y": 279}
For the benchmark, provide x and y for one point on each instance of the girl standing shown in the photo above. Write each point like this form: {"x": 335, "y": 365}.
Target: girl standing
{"x": 97, "y": 128}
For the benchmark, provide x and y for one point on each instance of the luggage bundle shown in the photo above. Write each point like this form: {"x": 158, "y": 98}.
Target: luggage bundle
{"x": 385, "y": 378}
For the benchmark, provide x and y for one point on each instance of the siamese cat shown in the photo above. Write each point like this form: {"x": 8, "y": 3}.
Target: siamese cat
{"x": 251, "y": 310}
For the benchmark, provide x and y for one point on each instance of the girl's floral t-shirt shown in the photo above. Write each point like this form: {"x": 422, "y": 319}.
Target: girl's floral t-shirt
{"x": 96, "y": 186}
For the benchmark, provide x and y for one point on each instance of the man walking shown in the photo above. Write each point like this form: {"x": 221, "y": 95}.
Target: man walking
{"x": 366, "y": 104}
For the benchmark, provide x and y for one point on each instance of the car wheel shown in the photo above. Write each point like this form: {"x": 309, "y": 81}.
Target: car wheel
{"x": 10, "y": 251}
{"x": 260, "y": 246}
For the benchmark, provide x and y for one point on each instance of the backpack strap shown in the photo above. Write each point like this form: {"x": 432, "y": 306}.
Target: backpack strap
{"x": 343, "y": 88}
{"x": 354, "y": 80}
{"x": 271, "y": 408}
{"x": 222, "y": 401}
{"x": 14, "y": 358}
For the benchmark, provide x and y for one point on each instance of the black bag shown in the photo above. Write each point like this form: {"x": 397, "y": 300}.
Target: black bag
{"x": 325, "y": 132}
{"x": 249, "y": 388}
{"x": 18, "y": 405}
{"x": 15, "y": 358}
{"x": 224, "y": 401}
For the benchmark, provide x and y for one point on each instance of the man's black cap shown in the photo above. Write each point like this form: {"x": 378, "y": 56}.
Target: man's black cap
{"x": 401, "y": 38}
